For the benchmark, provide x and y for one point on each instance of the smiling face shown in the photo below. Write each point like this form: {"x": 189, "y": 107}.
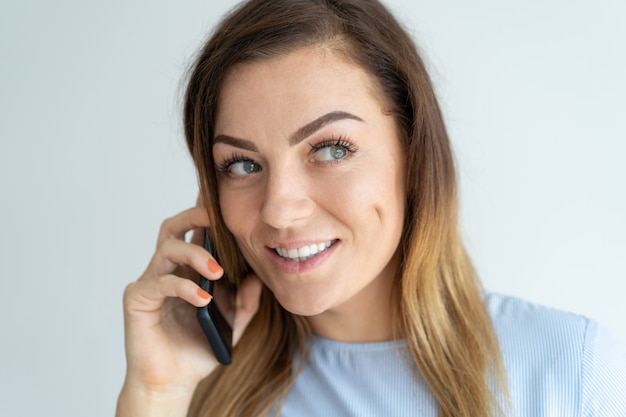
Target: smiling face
{"x": 311, "y": 182}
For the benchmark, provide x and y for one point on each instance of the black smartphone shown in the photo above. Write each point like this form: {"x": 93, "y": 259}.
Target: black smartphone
{"x": 216, "y": 319}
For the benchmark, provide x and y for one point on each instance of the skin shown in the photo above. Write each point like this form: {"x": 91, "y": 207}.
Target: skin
{"x": 340, "y": 180}
{"x": 166, "y": 353}
{"x": 289, "y": 179}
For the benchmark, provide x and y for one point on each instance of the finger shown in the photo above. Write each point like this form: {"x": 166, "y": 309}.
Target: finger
{"x": 173, "y": 253}
{"x": 149, "y": 296}
{"x": 248, "y": 297}
{"x": 178, "y": 225}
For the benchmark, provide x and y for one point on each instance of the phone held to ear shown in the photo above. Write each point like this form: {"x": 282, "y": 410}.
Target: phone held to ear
{"x": 216, "y": 319}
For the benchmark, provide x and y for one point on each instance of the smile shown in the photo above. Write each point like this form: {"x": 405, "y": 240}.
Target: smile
{"x": 304, "y": 253}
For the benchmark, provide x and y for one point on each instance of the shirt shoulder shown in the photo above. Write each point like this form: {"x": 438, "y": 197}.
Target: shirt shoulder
{"x": 557, "y": 360}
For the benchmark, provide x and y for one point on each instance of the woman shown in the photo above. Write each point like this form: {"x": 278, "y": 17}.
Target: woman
{"x": 329, "y": 188}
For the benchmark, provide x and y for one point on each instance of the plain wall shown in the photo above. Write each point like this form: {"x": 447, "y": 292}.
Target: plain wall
{"x": 92, "y": 159}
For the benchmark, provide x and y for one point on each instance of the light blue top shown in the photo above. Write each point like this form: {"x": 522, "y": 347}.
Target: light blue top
{"x": 558, "y": 364}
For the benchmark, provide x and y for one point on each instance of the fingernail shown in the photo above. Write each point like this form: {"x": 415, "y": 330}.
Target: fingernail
{"x": 204, "y": 294}
{"x": 213, "y": 266}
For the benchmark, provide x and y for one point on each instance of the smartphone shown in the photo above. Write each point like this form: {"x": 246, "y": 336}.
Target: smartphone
{"x": 216, "y": 319}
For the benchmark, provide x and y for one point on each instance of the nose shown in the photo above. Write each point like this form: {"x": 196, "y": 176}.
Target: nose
{"x": 287, "y": 199}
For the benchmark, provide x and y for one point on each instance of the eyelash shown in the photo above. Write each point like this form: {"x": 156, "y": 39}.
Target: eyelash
{"x": 341, "y": 142}
{"x": 224, "y": 166}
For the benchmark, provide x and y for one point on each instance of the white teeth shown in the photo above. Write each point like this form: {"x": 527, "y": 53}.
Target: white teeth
{"x": 305, "y": 252}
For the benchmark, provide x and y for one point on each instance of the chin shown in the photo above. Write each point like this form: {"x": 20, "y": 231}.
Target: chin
{"x": 302, "y": 305}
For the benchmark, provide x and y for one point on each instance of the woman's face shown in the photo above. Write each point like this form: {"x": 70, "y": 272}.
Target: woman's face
{"x": 311, "y": 180}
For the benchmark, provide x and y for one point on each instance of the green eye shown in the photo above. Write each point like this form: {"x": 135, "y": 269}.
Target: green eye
{"x": 330, "y": 153}
{"x": 332, "y": 150}
{"x": 238, "y": 166}
{"x": 243, "y": 168}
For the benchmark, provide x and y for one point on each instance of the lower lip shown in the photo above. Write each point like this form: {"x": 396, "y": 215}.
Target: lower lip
{"x": 288, "y": 266}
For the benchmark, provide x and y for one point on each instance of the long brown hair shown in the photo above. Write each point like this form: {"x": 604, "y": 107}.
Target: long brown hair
{"x": 441, "y": 313}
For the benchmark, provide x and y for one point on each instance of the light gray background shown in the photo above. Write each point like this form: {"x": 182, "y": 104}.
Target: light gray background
{"x": 92, "y": 159}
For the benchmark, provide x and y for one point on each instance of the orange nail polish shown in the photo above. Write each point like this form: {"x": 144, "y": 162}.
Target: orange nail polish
{"x": 204, "y": 294}
{"x": 213, "y": 266}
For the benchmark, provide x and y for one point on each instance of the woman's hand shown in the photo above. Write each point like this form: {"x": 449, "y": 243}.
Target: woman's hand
{"x": 167, "y": 354}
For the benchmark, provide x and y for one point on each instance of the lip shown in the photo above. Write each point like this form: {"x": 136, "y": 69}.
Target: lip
{"x": 295, "y": 268}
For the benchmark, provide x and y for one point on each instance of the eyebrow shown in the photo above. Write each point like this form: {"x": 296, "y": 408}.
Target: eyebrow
{"x": 297, "y": 137}
{"x": 312, "y": 127}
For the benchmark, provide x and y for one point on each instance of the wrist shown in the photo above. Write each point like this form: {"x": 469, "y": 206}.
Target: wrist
{"x": 135, "y": 401}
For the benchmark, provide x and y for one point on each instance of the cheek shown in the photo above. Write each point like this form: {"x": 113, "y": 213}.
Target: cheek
{"x": 238, "y": 212}
{"x": 239, "y": 220}
{"x": 378, "y": 192}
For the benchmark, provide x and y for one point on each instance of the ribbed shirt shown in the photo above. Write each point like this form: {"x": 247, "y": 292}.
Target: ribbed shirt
{"x": 557, "y": 364}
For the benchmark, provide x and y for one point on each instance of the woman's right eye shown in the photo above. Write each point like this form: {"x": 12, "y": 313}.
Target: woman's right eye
{"x": 239, "y": 167}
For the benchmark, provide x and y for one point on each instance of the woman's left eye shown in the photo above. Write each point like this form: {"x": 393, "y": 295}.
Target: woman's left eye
{"x": 332, "y": 150}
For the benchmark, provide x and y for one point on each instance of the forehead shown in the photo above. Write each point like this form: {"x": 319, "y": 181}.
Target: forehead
{"x": 306, "y": 81}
